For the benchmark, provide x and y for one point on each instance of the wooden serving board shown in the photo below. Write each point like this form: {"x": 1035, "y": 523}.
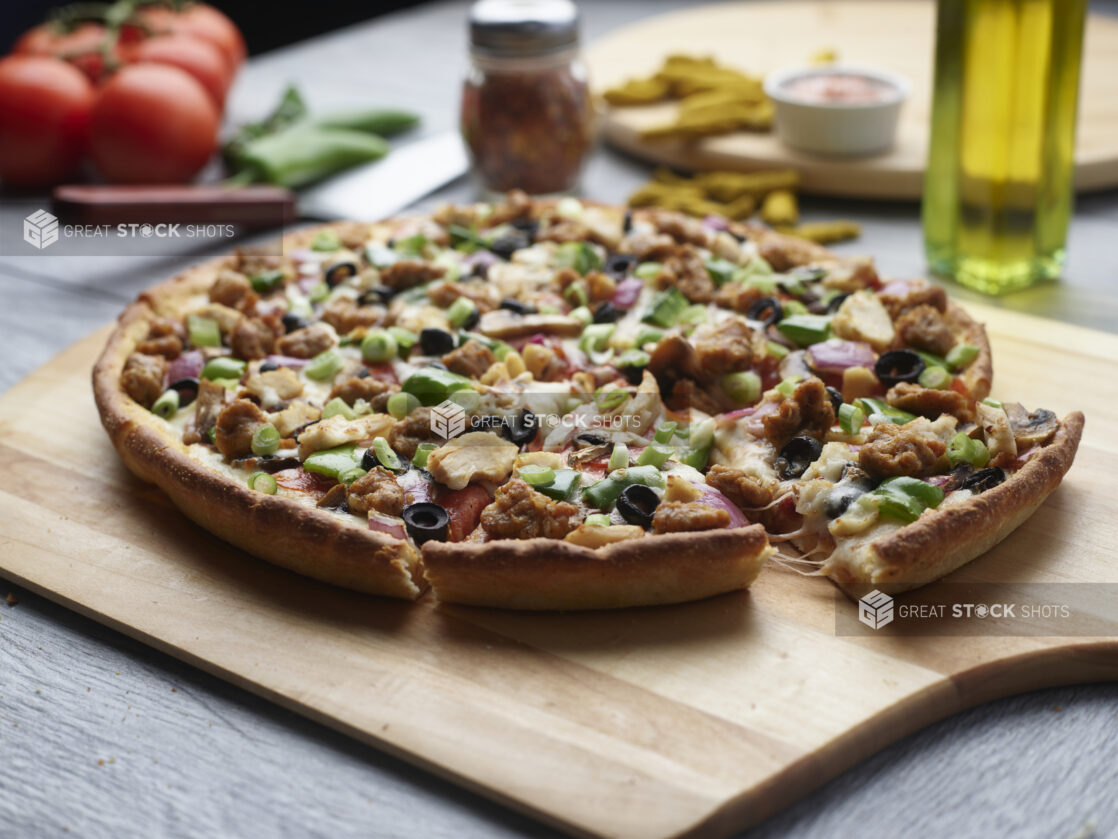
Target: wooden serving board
{"x": 767, "y": 36}
{"x": 705, "y": 717}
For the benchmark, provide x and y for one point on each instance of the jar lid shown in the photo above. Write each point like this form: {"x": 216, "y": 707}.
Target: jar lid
{"x": 523, "y": 27}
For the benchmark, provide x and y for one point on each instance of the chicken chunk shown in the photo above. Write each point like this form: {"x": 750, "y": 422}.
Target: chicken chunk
{"x": 308, "y": 341}
{"x": 474, "y": 456}
{"x": 142, "y": 378}
{"x": 236, "y": 424}
{"x": 376, "y": 490}
{"x": 911, "y": 449}
{"x": 688, "y": 516}
{"x": 520, "y": 512}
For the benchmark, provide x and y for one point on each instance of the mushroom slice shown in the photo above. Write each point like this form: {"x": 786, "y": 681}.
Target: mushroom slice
{"x": 505, "y": 324}
{"x": 1031, "y": 428}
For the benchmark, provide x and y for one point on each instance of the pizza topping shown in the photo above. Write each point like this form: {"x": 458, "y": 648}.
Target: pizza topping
{"x": 1031, "y": 428}
{"x": 637, "y": 504}
{"x": 232, "y": 289}
{"x": 902, "y": 450}
{"x": 164, "y": 338}
{"x": 186, "y": 388}
{"x": 724, "y": 348}
{"x": 252, "y": 338}
{"x": 338, "y": 430}
{"x": 983, "y": 479}
{"x": 295, "y": 416}
{"x": 236, "y": 425}
{"x": 796, "y": 456}
{"x": 346, "y": 315}
{"x": 746, "y": 491}
{"x": 689, "y": 516}
{"x": 963, "y": 449}
{"x": 374, "y": 391}
{"x": 426, "y": 521}
{"x": 274, "y": 387}
{"x": 930, "y": 402}
{"x": 685, "y": 270}
{"x": 406, "y": 273}
{"x": 998, "y": 433}
{"x": 520, "y": 512}
{"x": 898, "y": 298}
{"x": 142, "y": 378}
{"x": 476, "y": 455}
{"x": 862, "y": 317}
{"x": 308, "y": 341}
{"x": 590, "y": 535}
{"x": 898, "y": 366}
{"x": 807, "y": 411}
{"x": 471, "y": 359}
{"x": 377, "y": 491}
{"x": 509, "y": 325}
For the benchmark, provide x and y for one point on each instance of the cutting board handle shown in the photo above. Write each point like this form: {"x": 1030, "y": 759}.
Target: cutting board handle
{"x": 245, "y": 206}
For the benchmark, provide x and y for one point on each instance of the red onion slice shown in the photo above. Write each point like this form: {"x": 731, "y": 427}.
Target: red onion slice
{"x": 713, "y": 498}
{"x": 288, "y": 361}
{"x": 836, "y": 355}
{"x": 627, "y": 293}
{"x": 387, "y": 524}
{"x": 186, "y": 366}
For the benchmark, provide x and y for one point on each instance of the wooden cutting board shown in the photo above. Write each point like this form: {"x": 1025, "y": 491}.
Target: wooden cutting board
{"x": 767, "y": 36}
{"x": 652, "y": 722}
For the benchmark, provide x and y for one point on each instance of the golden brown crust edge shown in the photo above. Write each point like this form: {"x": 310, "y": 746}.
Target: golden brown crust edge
{"x": 280, "y": 530}
{"x": 979, "y": 375}
{"x": 941, "y": 542}
{"x": 539, "y": 574}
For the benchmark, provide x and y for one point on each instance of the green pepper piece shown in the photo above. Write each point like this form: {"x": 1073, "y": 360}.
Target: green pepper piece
{"x": 961, "y": 355}
{"x": 432, "y": 385}
{"x": 204, "y": 332}
{"x": 604, "y": 493}
{"x": 382, "y": 121}
{"x": 266, "y": 281}
{"x": 224, "y": 367}
{"x": 596, "y": 336}
{"x": 965, "y": 449}
{"x": 696, "y": 456}
{"x": 579, "y": 256}
{"x": 304, "y": 153}
{"x": 324, "y": 366}
{"x": 422, "y": 451}
{"x": 654, "y": 455}
{"x": 805, "y": 330}
{"x": 666, "y": 308}
{"x": 648, "y": 335}
{"x": 648, "y": 271}
{"x": 871, "y": 406}
{"x": 564, "y": 486}
{"x": 720, "y": 270}
{"x": 332, "y": 462}
{"x": 906, "y": 498}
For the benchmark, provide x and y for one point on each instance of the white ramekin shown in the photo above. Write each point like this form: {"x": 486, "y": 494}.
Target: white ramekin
{"x": 837, "y": 128}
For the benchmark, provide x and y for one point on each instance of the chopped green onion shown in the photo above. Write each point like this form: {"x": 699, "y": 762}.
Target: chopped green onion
{"x": 648, "y": 271}
{"x": 318, "y": 292}
{"x": 881, "y": 409}
{"x": 993, "y": 403}
{"x": 576, "y": 294}
{"x": 324, "y": 366}
{"x": 696, "y": 313}
{"x": 326, "y": 240}
{"x": 582, "y": 313}
{"x": 794, "y": 307}
{"x": 666, "y": 308}
{"x": 654, "y": 455}
{"x": 851, "y": 418}
{"x": 744, "y": 387}
{"x": 605, "y": 492}
{"x": 405, "y": 338}
{"x": 619, "y": 457}
{"x": 401, "y": 404}
{"x": 266, "y": 281}
{"x": 537, "y": 475}
{"x": 597, "y": 520}
{"x": 266, "y": 440}
{"x": 262, "y": 482}
{"x": 665, "y": 431}
{"x": 697, "y": 456}
{"x": 720, "y": 270}
{"x": 379, "y": 345}
{"x": 936, "y": 378}
{"x": 548, "y": 309}
{"x": 931, "y": 359}
{"x": 966, "y": 449}
{"x": 421, "y": 453}
{"x": 788, "y": 386}
{"x": 777, "y": 350}
{"x": 563, "y": 486}
{"x": 961, "y": 355}
{"x": 648, "y": 335}
{"x": 413, "y": 245}
{"x": 460, "y": 311}
{"x": 578, "y": 255}
{"x": 595, "y": 337}
{"x": 224, "y": 367}
{"x": 632, "y": 358}
{"x": 386, "y": 456}
{"x": 433, "y": 385}
{"x": 337, "y": 406}
{"x": 608, "y": 400}
{"x": 204, "y": 332}
{"x": 350, "y": 475}
{"x": 167, "y": 405}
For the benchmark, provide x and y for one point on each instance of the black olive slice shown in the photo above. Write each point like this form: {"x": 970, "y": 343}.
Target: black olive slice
{"x": 518, "y": 307}
{"x": 808, "y": 273}
{"x": 836, "y": 398}
{"x": 618, "y": 264}
{"x": 426, "y": 521}
{"x": 591, "y": 438}
{"x": 606, "y": 313}
{"x": 984, "y": 479}
{"x": 898, "y": 366}
{"x": 268, "y": 367}
{"x": 797, "y": 454}
{"x": 637, "y": 503}
{"x": 271, "y": 464}
{"x": 377, "y": 294}
{"x": 627, "y": 224}
{"x": 369, "y": 462}
{"x": 521, "y": 429}
{"x": 434, "y": 341}
{"x": 767, "y": 310}
{"x": 292, "y": 321}
{"x": 840, "y": 499}
{"x": 187, "y": 390}
{"x": 339, "y": 272}
{"x": 836, "y": 302}
{"x": 528, "y": 226}
{"x": 505, "y": 246}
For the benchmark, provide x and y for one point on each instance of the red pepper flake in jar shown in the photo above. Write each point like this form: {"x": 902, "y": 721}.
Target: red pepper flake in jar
{"x": 527, "y": 114}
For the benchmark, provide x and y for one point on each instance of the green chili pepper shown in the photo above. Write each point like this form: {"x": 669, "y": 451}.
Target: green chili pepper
{"x": 382, "y": 121}
{"x": 306, "y": 153}
{"x": 266, "y": 281}
{"x": 879, "y": 408}
{"x": 906, "y": 498}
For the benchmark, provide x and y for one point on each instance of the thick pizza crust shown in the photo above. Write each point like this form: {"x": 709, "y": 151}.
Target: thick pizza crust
{"x": 553, "y": 574}
{"x": 944, "y": 540}
{"x": 979, "y": 374}
{"x": 280, "y": 530}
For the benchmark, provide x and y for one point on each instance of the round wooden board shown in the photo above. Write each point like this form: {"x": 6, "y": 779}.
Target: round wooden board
{"x": 767, "y": 36}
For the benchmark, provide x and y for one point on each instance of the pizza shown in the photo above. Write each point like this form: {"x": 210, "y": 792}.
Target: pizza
{"x": 562, "y": 405}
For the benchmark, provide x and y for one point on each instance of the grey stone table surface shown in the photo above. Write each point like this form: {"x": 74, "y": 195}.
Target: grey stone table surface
{"x": 103, "y": 737}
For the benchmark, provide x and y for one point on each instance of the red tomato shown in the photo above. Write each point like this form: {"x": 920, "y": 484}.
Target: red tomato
{"x": 203, "y": 22}
{"x": 200, "y": 59}
{"x": 152, "y": 124}
{"x": 44, "y": 119}
{"x": 464, "y": 507}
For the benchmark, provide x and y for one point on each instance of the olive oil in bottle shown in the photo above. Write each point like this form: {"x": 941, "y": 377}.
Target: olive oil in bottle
{"x": 997, "y": 193}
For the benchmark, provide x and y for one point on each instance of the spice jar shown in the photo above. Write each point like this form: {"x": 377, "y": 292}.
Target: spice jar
{"x": 527, "y": 114}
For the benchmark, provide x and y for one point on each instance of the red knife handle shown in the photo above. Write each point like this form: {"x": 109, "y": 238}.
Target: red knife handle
{"x": 247, "y": 206}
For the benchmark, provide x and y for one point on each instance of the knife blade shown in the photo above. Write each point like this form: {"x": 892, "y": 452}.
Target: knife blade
{"x": 368, "y": 193}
